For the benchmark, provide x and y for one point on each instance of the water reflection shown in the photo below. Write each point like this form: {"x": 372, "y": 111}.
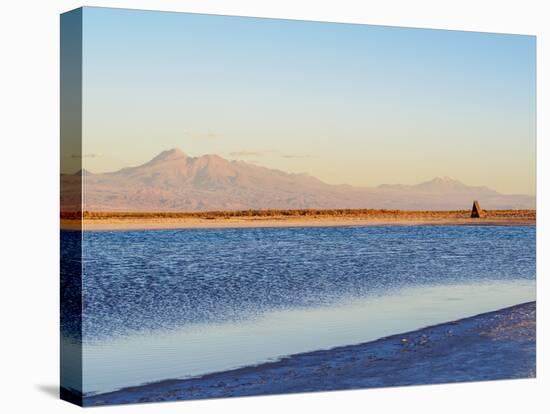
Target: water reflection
{"x": 145, "y": 357}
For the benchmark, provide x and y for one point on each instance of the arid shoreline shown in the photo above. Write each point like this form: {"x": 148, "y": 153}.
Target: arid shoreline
{"x": 298, "y": 218}
{"x": 491, "y": 346}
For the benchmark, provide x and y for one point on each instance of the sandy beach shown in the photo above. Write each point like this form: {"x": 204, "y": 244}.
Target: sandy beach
{"x": 491, "y": 346}
{"x": 328, "y": 218}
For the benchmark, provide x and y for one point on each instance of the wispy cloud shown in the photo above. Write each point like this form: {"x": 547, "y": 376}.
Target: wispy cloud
{"x": 248, "y": 153}
{"x": 296, "y": 156}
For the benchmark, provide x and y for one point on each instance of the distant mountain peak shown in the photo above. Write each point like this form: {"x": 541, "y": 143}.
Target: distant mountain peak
{"x": 173, "y": 181}
{"x": 444, "y": 179}
{"x": 436, "y": 181}
{"x": 171, "y": 154}
{"x": 83, "y": 172}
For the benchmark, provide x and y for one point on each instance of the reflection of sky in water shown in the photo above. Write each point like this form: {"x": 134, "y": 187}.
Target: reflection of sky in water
{"x": 200, "y": 349}
{"x": 173, "y": 303}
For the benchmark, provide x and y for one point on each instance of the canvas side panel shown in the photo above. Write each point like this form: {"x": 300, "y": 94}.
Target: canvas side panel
{"x": 71, "y": 207}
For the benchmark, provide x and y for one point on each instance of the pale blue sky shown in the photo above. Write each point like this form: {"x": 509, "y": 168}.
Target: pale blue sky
{"x": 354, "y": 104}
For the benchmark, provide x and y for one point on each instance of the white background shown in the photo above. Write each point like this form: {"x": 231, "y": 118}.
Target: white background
{"x": 29, "y": 174}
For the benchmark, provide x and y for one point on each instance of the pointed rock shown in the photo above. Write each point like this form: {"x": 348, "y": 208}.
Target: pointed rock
{"x": 476, "y": 210}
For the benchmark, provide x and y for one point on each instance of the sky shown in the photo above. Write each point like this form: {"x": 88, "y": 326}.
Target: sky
{"x": 347, "y": 103}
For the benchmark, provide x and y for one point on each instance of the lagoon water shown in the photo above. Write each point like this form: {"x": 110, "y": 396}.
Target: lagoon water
{"x": 165, "y": 304}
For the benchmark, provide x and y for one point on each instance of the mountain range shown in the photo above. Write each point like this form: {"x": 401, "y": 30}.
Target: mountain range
{"x": 174, "y": 181}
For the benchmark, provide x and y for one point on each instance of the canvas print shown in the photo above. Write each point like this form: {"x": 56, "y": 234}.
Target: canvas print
{"x": 261, "y": 206}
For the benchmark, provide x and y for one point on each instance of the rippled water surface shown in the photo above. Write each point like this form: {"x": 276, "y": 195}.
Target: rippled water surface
{"x": 175, "y": 303}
